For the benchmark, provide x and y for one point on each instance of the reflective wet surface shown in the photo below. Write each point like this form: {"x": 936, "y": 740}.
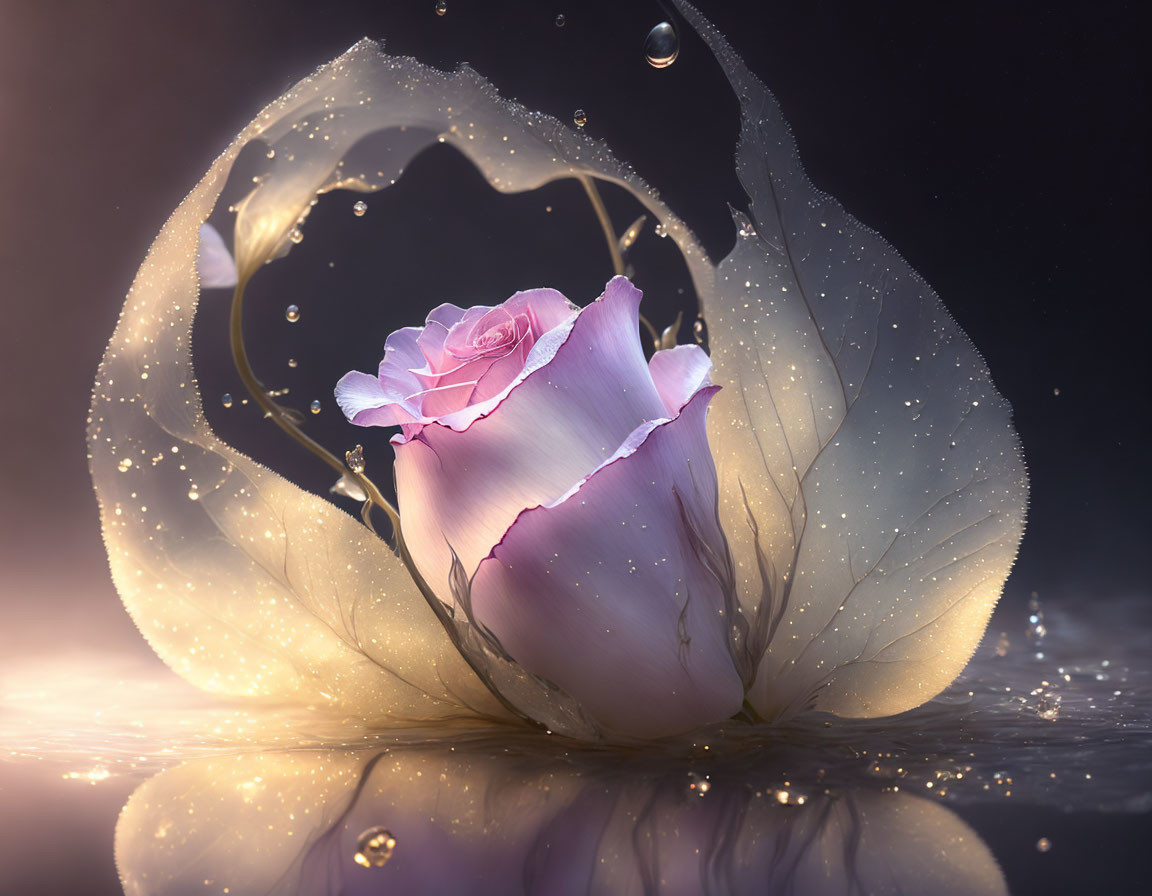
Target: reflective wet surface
{"x": 984, "y": 790}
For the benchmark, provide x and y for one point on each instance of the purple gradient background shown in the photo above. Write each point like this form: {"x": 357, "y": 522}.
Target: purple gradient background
{"x": 1002, "y": 150}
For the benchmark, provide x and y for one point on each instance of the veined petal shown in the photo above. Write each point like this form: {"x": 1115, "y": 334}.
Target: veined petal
{"x": 626, "y": 616}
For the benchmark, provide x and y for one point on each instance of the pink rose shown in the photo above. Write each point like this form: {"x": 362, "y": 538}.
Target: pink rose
{"x": 574, "y": 483}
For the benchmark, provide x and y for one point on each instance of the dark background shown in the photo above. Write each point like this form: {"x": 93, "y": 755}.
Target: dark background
{"x": 999, "y": 146}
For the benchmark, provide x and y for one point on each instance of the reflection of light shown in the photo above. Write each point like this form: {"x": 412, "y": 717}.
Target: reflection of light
{"x": 100, "y": 716}
{"x": 787, "y": 798}
{"x": 91, "y": 776}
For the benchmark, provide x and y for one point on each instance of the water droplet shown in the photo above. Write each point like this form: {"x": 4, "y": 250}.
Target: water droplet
{"x": 292, "y": 362}
{"x": 374, "y": 848}
{"x": 1056, "y": 391}
{"x": 292, "y": 314}
{"x": 271, "y": 153}
{"x": 193, "y": 495}
{"x": 661, "y": 231}
{"x": 1043, "y": 844}
{"x": 560, "y": 20}
{"x": 355, "y": 459}
{"x": 661, "y": 46}
{"x": 1048, "y": 706}
{"x": 125, "y": 464}
{"x": 698, "y": 784}
{"x": 296, "y": 235}
{"x": 441, "y": 7}
{"x": 580, "y": 117}
{"x": 226, "y": 399}
{"x": 359, "y": 208}
{"x": 700, "y": 331}
{"x": 1002, "y": 644}
{"x": 315, "y": 406}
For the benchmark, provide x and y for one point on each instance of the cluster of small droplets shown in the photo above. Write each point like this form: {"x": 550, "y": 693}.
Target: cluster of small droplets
{"x": 698, "y": 784}
{"x": 1047, "y": 700}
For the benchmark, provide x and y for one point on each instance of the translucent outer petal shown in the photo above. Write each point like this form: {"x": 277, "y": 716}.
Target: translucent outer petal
{"x": 242, "y": 582}
{"x": 460, "y": 490}
{"x": 607, "y": 594}
{"x": 871, "y": 483}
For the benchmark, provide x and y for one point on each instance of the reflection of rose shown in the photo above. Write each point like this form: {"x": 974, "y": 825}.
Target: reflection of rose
{"x": 468, "y": 817}
{"x": 574, "y": 484}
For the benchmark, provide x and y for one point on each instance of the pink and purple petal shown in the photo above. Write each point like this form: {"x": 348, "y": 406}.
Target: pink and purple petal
{"x": 679, "y": 373}
{"x": 463, "y": 480}
{"x": 606, "y": 593}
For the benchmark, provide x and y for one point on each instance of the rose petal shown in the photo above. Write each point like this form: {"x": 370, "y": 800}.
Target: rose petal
{"x": 462, "y": 481}
{"x": 546, "y": 308}
{"x": 679, "y": 373}
{"x": 214, "y": 262}
{"x": 365, "y": 402}
{"x": 605, "y": 593}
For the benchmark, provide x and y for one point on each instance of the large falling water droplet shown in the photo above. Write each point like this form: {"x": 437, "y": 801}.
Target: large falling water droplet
{"x": 374, "y": 848}
{"x": 226, "y": 399}
{"x": 560, "y": 20}
{"x": 441, "y": 7}
{"x": 359, "y": 208}
{"x": 315, "y": 406}
{"x": 662, "y": 46}
{"x": 292, "y": 314}
{"x": 580, "y": 118}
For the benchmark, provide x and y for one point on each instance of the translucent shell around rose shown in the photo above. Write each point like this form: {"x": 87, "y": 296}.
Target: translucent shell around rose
{"x": 871, "y": 485}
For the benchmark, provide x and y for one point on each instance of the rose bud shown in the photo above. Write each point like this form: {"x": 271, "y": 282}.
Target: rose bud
{"x": 573, "y": 484}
